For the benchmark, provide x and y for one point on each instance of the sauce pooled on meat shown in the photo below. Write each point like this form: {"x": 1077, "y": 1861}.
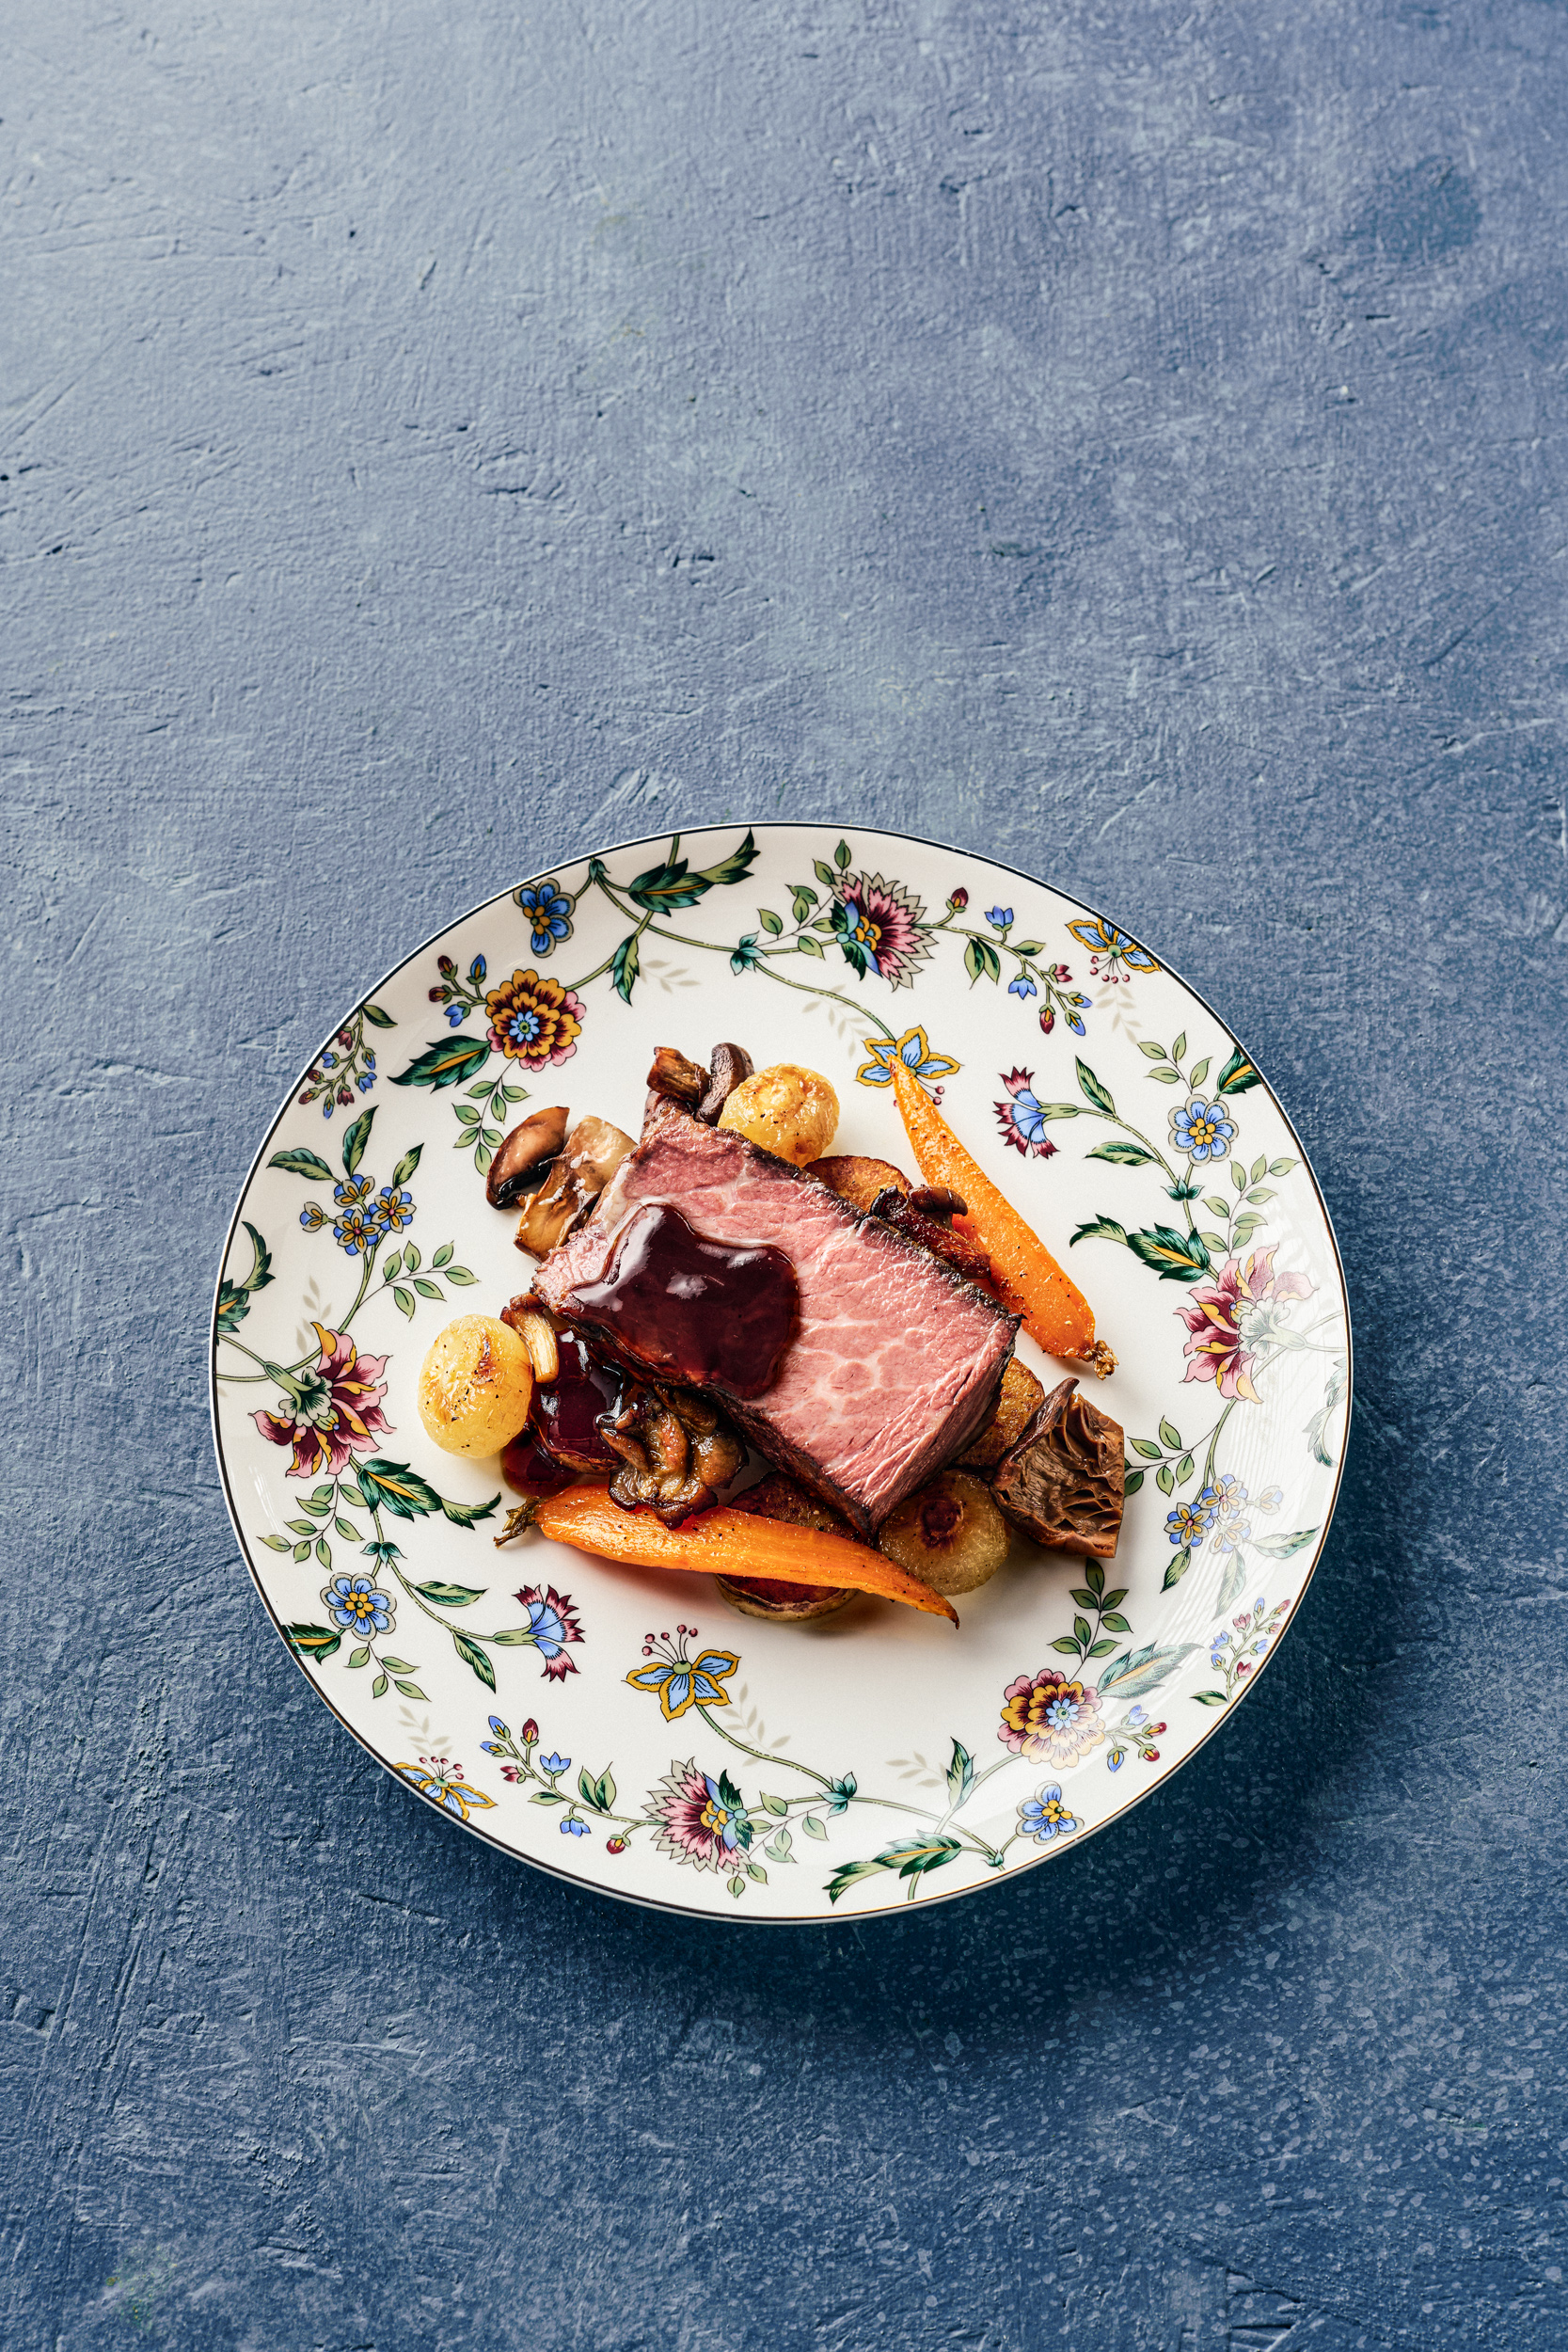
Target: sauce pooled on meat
{"x": 686, "y": 1308}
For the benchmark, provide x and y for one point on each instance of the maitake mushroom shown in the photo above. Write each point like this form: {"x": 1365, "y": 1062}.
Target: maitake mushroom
{"x": 675, "y": 1452}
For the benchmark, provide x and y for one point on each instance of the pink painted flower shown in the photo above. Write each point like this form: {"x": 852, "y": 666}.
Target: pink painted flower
{"x": 701, "y": 1821}
{"x": 1046, "y": 1717}
{"x": 878, "y": 923}
{"x": 332, "y": 1411}
{"x": 1230, "y": 1322}
{"x": 1023, "y": 1118}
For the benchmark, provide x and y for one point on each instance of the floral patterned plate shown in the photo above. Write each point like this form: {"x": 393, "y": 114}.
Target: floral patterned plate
{"x": 630, "y": 1731}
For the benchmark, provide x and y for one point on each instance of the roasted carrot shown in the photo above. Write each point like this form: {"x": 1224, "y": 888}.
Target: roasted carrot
{"x": 1027, "y": 1277}
{"x": 721, "y": 1543}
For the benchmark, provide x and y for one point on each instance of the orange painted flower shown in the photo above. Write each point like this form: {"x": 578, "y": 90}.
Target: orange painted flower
{"x": 534, "y": 1021}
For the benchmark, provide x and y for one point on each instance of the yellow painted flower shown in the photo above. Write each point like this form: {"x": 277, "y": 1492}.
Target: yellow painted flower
{"x": 914, "y": 1050}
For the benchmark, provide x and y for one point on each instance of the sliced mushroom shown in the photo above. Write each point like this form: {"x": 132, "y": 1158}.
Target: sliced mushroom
{"x": 534, "y": 1326}
{"x": 590, "y": 1157}
{"x": 730, "y": 1065}
{"x": 677, "y": 1079}
{"x": 856, "y": 1179}
{"x": 938, "y": 1202}
{"x": 524, "y": 1159}
{"x": 675, "y": 1452}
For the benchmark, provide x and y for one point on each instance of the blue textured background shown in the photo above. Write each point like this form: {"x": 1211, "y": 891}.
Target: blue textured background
{"x": 1127, "y": 438}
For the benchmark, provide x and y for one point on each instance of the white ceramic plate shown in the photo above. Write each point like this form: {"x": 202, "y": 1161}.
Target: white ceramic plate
{"x": 628, "y": 1730}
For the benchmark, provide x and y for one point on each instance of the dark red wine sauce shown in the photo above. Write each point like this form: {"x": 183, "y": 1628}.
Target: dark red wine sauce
{"x": 686, "y": 1308}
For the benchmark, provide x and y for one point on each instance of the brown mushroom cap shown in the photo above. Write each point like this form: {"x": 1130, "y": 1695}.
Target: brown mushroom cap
{"x": 731, "y": 1066}
{"x": 523, "y": 1161}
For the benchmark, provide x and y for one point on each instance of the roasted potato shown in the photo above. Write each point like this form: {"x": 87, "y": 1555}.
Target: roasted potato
{"x": 857, "y": 1179}
{"x": 1019, "y": 1399}
{"x": 786, "y": 1110}
{"x": 948, "y": 1532}
{"x": 475, "y": 1385}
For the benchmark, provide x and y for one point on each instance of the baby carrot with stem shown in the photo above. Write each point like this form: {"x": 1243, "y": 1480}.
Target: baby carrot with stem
{"x": 720, "y": 1543}
{"x": 1055, "y": 1312}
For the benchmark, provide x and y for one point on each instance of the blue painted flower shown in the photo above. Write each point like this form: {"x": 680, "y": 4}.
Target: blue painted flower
{"x": 999, "y": 917}
{"x": 312, "y": 1217}
{"x": 914, "y": 1051}
{"x": 500, "y": 1729}
{"x": 1022, "y": 986}
{"x": 394, "y": 1209}
{"x": 1112, "y": 956}
{"x": 1022, "y": 1117}
{"x": 554, "y": 1765}
{"x": 1191, "y": 1521}
{"x": 553, "y": 1623}
{"x": 1271, "y": 1498}
{"x": 456, "y": 1015}
{"x": 1075, "y": 1006}
{"x": 548, "y": 912}
{"x": 357, "y": 1230}
{"x": 355, "y": 1606}
{"x": 574, "y": 1828}
{"x": 682, "y": 1682}
{"x": 1202, "y": 1130}
{"x": 1137, "y": 1716}
{"x": 1043, "y": 1816}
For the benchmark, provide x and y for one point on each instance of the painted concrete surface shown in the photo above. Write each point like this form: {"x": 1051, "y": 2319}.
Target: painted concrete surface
{"x": 1126, "y": 439}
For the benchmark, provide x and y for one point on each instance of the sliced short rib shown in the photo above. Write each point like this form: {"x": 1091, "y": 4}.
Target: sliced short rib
{"x": 896, "y": 1360}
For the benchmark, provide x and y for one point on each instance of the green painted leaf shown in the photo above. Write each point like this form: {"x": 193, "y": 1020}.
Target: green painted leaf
{"x": 451, "y": 1596}
{"x": 1281, "y": 1167}
{"x": 625, "y": 966}
{"x": 778, "y": 1848}
{"x": 313, "y": 1641}
{"x": 1238, "y": 1074}
{"x": 1116, "y": 1623}
{"x": 1197, "y": 1074}
{"x": 841, "y": 856}
{"x": 546, "y": 1796}
{"x": 981, "y": 961}
{"x": 378, "y": 1688}
{"x": 776, "y": 1804}
{"x": 1083, "y": 1597}
{"x": 1180, "y": 1047}
{"x": 1101, "y": 1650}
{"x": 302, "y": 1551}
{"x": 770, "y": 921}
{"x": 1100, "y": 1229}
{"x": 808, "y": 946}
{"x": 443, "y": 1255}
{"x": 473, "y": 1656}
{"x": 468, "y": 1513}
{"x": 428, "y": 1290}
{"x": 377, "y": 1017}
{"x": 1238, "y": 1177}
{"x": 1209, "y": 1698}
{"x": 732, "y": 868}
{"x": 346, "y": 1529}
{"x": 404, "y": 1300}
{"x": 1155, "y": 1053}
{"x": 1140, "y": 1670}
{"x": 1176, "y": 1257}
{"x": 755, "y": 1870}
{"x": 813, "y": 1826}
{"x": 1258, "y": 1194}
{"x": 824, "y": 873}
{"x": 1179, "y": 1563}
{"x": 459, "y": 1276}
{"x": 1168, "y": 1077}
{"x": 396, "y": 1665}
{"x": 1184, "y": 1469}
{"x": 393, "y": 1487}
{"x": 407, "y": 1165}
{"x": 277, "y": 1543}
{"x": 588, "y": 1790}
{"x": 307, "y": 1164}
{"x": 1094, "y": 1092}
{"x": 1094, "y": 1575}
{"x": 1122, "y": 1154}
{"x": 1281, "y": 1547}
{"x": 469, "y": 1114}
{"x": 1146, "y": 1447}
{"x": 360, "y": 1656}
{"x": 356, "y": 1138}
{"x": 960, "y": 1774}
{"x": 1165, "y": 1478}
{"x": 803, "y": 899}
{"x": 411, "y": 1690}
{"x": 1131, "y": 1484}
{"x": 1215, "y": 1244}
{"x": 1081, "y": 1632}
{"x": 1258, "y": 1169}
{"x": 1217, "y": 1203}
{"x": 392, "y": 1267}
{"x": 1066, "y": 1645}
{"x": 446, "y": 1063}
{"x": 1170, "y": 1436}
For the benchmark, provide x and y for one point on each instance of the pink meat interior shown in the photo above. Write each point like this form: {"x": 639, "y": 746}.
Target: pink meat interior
{"x": 896, "y": 1360}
